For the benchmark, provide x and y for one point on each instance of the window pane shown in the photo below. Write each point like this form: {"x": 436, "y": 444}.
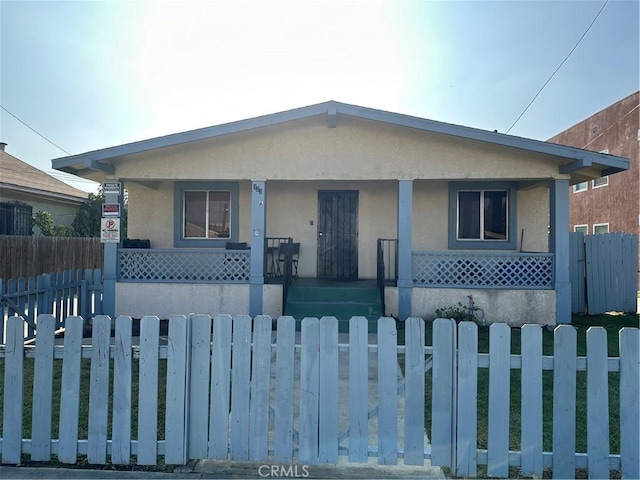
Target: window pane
{"x": 581, "y": 228}
{"x": 495, "y": 215}
{"x": 601, "y": 182}
{"x": 469, "y": 215}
{"x": 219, "y": 221}
{"x": 580, "y": 187}
{"x": 598, "y": 229}
{"x": 195, "y": 214}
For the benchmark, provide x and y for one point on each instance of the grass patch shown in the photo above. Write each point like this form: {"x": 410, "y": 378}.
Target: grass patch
{"x": 612, "y": 324}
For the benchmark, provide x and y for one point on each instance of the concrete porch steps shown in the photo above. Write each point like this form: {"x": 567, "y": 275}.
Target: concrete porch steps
{"x": 342, "y": 300}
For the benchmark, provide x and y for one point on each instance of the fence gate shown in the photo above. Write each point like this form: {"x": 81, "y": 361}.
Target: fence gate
{"x": 604, "y": 272}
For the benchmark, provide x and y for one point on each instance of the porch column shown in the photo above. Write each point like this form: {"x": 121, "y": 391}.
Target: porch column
{"x": 258, "y": 225}
{"x": 110, "y": 258}
{"x": 405, "y": 247}
{"x": 559, "y": 246}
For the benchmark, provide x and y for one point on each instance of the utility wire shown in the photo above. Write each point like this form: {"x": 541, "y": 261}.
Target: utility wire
{"x": 559, "y": 67}
{"x": 34, "y": 131}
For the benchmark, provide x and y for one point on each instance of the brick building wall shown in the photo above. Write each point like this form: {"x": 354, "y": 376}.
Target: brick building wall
{"x": 617, "y": 202}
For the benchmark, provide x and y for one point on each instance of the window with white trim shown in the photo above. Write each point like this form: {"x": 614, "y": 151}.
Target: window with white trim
{"x": 599, "y": 228}
{"x": 580, "y": 187}
{"x": 600, "y": 182}
{"x": 581, "y": 228}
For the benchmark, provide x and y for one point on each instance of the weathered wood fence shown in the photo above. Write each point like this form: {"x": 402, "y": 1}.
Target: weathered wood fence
{"x": 30, "y": 256}
{"x": 604, "y": 272}
{"x": 210, "y": 410}
{"x": 72, "y": 292}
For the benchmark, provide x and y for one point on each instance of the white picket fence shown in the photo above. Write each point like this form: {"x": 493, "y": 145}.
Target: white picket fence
{"x": 215, "y": 411}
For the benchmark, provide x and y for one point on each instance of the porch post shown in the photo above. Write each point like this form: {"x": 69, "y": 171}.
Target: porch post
{"x": 110, "y": 267}
{"x": 258, "y": 224}
{"x": 559, "y": 246}
{"x": 405, "y": 247}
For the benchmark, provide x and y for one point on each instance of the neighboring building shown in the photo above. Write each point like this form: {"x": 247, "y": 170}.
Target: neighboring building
{"x": 473, "y": 213}
{"x": 25, "y": 190}
{"x": 601, "y": 204}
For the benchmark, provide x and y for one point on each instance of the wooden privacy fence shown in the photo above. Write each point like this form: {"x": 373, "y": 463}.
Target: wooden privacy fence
{"x": 72, "y": 292}
{"x": 30, "y": 256}
{"x": 603, "y": 272}
{"x": 208, "y": 409}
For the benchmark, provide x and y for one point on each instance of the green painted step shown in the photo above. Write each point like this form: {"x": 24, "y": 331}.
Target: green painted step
{"x": 342, "y": 302}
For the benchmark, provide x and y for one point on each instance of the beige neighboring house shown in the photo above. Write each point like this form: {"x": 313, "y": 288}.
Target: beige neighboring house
{"x": 469, "y": 213}
{"x": 25, "y": 190}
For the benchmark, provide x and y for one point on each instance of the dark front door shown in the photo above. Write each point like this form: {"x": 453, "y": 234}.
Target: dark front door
{"x": 338, "y": 234}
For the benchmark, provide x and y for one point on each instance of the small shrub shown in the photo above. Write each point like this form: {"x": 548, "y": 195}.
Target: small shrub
{"x": 459, "y": 313}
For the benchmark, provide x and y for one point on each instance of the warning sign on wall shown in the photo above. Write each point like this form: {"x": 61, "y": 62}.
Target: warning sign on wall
{"x": 110, "y": 230}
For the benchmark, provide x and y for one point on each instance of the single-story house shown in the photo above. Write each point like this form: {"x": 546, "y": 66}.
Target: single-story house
{"x": 25, "y": 190}
{"x": 435, "y": 212}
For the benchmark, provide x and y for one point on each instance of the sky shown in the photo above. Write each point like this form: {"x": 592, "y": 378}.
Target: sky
{"x": 94, "y": 74}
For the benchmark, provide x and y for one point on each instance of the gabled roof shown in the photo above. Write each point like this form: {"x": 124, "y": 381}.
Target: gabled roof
{"x": 19, "y": 176}
{"x": 576, "y": 158}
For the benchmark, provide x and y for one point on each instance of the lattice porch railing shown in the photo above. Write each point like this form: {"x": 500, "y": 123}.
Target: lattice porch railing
{"x": 483, "y": 270}
{"x": 183, "y": 266}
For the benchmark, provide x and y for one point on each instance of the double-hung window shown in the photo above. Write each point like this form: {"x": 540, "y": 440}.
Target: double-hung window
{"x": 206, "y": 214}
{"x": 482, "y": 215}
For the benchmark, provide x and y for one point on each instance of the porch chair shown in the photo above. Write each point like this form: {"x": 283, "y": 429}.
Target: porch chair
{"x": 294, "y": 250}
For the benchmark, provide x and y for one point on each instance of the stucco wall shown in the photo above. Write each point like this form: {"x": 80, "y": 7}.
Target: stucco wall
{"x": 62, "y": 213}
{"x": 163, "y": 300}
{"x": 356, "y": 149}
{"x": 515, "y": 307}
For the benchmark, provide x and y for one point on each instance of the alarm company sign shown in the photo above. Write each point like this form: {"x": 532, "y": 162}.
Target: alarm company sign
{"x": 110, "y": 230}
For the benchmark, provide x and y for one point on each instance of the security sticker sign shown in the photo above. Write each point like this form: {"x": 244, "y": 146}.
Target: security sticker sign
{"x": 110, "y": 230}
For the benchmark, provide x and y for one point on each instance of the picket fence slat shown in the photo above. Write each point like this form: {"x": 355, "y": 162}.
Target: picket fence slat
{"x": 387, "y": 392}
{"x": 414, "y": 392}
{"x": 13, "y": 391}
{"x": 240, "y": 385}
{"x": 358, "y": 389}
{"x": 260, "y": 386}
{"x": 443, "y": 395}
{"x": 531, "y": 400}
{"x": 629, "y": 339}
{"x": 466, "y": 464}
{"x": 148, "y": 391}
{"x": 597, "y": 403}
{"x": 564, "y": 402}
{"x": 121, "y": 427}
{"x": 43, "y": 390}
{"x": 283, "y": 409}
{"x": 499, "y": 390}
{"x": 328, "y": 391}
{"x": 175, "y": 429}
{"x": 309, "y": 391}
{"x": 220, "y": 388}
{"x": 70, "y": 391}
{"x": 199, "y": 385}
{"x": 99, "y": 390}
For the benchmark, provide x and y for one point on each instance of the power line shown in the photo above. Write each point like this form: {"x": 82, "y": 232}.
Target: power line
{"x": 559, "y": 67}
{"x": 35, "y": 131}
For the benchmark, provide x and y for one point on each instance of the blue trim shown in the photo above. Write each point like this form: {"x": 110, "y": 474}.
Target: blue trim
{"x": 258, "y": 225}
{"x": 179, "y": 188}
{"x": 559, "y": 245}
{"x": 90, "y": 160}
{"x": 512, "y": 194}
{"x": 405, "y": 247}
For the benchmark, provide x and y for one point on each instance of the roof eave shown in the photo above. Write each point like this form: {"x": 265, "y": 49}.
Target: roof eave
{"x": 93, "y": 161}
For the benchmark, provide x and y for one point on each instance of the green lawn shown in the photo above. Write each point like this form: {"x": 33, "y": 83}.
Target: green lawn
{"x": 612, "y": 323}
